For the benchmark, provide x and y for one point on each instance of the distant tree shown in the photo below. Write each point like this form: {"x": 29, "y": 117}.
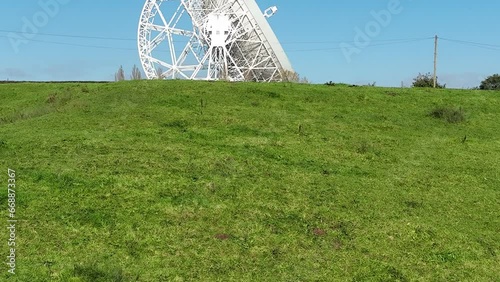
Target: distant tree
{"x": 120, "y": 74}
{"x": 159, "y": 73}
{"x": 289, "y": 76}
{"x": 491, "y": 83}
{"x": 304, "y": 80}
{"x": 426, "y": 80}
{"x": 136, "y": 73}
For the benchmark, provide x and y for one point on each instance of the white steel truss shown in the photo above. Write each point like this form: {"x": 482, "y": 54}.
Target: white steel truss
{"x": 211, "y": 40}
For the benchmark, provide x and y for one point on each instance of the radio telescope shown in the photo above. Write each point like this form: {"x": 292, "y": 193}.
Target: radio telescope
{"x": 210, "y": 40}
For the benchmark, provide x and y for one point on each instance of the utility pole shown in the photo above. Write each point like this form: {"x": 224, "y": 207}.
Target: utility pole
{"x": 435, "y": 59}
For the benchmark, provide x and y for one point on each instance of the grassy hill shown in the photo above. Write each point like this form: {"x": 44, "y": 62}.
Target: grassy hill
{"x": 200, "y": 181}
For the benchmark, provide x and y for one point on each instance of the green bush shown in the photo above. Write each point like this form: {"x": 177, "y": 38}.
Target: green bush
{"x": 426, "y": 80}
{"x": 491, "y": 83}
{"x": 449, "y": 114}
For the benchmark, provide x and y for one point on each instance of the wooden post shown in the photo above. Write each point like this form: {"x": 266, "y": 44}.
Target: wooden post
{"x": 435, "y": 60}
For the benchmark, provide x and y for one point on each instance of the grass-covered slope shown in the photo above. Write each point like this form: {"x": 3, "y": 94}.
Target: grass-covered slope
{"x": 199, "y": 181}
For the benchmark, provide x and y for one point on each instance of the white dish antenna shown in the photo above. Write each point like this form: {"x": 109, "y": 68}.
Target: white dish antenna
{"x": 210, "y": 40}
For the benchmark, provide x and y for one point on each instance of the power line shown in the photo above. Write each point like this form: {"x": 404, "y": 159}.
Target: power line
{"x": 470, "y": 42}
{"x": 349, "y": 42}
{"x": 474, "y": 44}
{"x": 383, "y": 42}
{"x": 69, "y": 35}
{"x": 135, "y": 39}
{"x": 387, "y": 42}
{"x": 77, "y": 45}
{"x": 372, "y": 45}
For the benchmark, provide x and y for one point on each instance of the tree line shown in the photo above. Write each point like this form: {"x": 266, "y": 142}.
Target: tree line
{"x": 492, "y": 82}
{"x": 135, "y": 75}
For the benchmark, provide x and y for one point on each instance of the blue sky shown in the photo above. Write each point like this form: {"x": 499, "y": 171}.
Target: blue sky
{"x": 322, "y": 39}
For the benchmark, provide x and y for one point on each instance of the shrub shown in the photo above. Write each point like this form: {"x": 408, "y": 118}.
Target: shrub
{"x": 491, "y": 83}
{"x": 51, "y": 99}
{"x": 426, "y": 80}
{"x": 449, "y": 114}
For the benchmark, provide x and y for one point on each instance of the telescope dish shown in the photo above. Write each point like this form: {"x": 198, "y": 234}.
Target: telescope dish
{"x": 210, "y": 40}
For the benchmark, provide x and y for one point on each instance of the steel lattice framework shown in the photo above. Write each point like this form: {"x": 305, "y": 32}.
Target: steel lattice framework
{"x": 209, "y": 39}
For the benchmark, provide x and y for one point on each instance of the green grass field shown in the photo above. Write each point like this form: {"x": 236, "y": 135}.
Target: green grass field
{"x": 200, "y": 181}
